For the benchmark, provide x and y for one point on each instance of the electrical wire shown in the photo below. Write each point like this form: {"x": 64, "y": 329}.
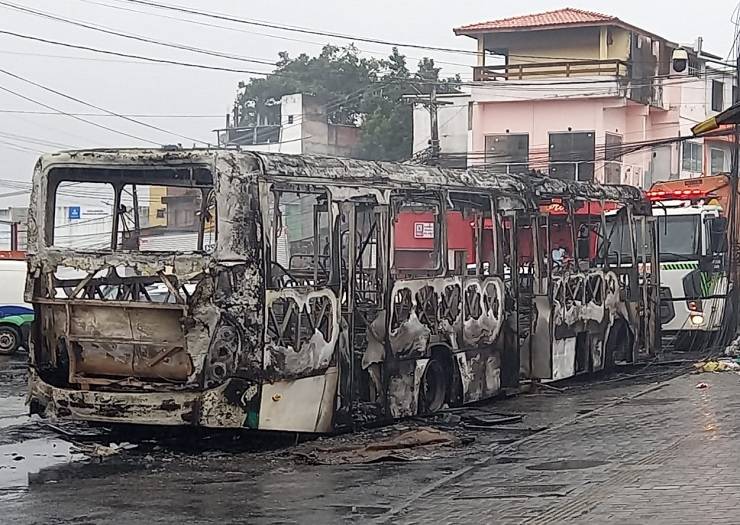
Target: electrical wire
{"x": 81, "y": 119}
{"x": 129, "y": 55}
{"x": 135, "y": 115}
{"x": 84, "y": 103}
{"x": 139, "y": 38}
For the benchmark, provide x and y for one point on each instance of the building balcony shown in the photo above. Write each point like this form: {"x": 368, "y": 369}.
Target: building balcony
{"x": 577, "y": 68}
{"x": 596, "y": 78}
{"x": 249, "y": 136}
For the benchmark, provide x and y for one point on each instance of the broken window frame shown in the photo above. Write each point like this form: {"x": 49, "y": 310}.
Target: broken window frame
{"x": 431, "y": 198}
{"x": 195, "y": 177}
{"x": 485, "y": 207}
{"x": 274, "y": 215}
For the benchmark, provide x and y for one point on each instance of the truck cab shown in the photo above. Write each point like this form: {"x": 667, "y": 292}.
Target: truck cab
{"x": 692, "y": 249}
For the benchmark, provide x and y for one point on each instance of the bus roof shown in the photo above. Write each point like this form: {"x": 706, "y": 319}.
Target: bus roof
{"x": 343, "y": 170}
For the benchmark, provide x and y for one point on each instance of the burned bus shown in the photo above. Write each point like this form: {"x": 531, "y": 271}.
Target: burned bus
{"x": 229, "y": 289}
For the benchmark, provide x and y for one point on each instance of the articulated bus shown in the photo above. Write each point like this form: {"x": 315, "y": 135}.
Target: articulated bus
{"x": 294, "y": 293}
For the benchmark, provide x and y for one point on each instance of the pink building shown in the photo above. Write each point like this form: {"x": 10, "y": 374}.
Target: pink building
{"x": 568, "y": 91}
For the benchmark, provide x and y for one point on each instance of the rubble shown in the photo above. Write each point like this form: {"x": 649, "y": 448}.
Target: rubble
{"x": 733, "y": 349}
{"x": 411, "y": 445}
{"x": 718, "y": 365}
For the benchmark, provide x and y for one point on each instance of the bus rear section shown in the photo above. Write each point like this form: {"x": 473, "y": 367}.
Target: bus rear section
{"x": 141, "y": 315}
{"x": 692, "y": 219}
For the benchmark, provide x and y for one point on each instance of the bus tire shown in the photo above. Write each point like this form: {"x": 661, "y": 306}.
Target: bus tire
{"x": 10, "y": 340}
{"x": 434, "y": 387}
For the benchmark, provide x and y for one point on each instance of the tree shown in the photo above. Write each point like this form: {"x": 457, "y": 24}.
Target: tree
{"x": 356, "y": 91}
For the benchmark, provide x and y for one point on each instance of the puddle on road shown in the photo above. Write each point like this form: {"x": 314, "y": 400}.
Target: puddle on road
{"x": 568, "y": 464}
{"x": 13, "y": 411}
{"x": 19, "y": 460}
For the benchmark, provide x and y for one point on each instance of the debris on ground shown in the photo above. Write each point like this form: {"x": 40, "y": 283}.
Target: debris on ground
{"x": 702, "y": 385}
{"x": 724, "y": 364}
{"x": 97, "y": 450}
{"x": 411, "y": 445}
{"x": 496, "y": 419}
{"x": 733, "y": 349}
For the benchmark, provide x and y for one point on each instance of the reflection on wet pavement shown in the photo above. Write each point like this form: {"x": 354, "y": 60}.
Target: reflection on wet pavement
{"x": 13, "y": 411}
{"x": 19, "y": 460}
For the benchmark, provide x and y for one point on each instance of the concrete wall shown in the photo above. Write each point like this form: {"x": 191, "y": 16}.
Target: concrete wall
{"x": 306, "y": 130}
{"x": 633, "y": 122}
{"x": 453, "y": 125}
{"x": 554, "y": 45}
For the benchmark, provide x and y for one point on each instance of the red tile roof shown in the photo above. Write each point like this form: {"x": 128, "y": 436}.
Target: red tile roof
{"x": 561, "y": 17}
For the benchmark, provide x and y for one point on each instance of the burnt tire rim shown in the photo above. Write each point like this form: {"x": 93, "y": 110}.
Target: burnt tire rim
{"x": 8, "y": 340}
{"x": 433, "y": 388}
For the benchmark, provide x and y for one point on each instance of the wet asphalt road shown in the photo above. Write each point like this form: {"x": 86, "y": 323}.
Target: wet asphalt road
{"x": 52, "y": 478}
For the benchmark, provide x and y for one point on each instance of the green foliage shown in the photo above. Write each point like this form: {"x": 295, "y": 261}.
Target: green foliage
{"x": 356, "y": 91}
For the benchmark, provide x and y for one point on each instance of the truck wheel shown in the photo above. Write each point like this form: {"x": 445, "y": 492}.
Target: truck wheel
{"x": 10, "y": 340}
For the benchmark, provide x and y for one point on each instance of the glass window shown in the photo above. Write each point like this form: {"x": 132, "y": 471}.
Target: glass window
{"x": 508, "y": 153}
{"x": 718, "y": 161}
{"x": 718, "y": 95}
{"x": 678, "y": 238}
{"x": 572, "y": 155}
{"x": 692, "y": 157}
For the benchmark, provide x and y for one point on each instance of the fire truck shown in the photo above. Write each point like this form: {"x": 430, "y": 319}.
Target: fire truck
{"x": 693, "y": 218}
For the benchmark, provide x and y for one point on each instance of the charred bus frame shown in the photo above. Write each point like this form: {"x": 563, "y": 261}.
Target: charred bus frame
{"x": 316, "y": 307}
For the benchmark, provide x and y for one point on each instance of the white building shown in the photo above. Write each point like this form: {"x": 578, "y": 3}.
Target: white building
{"x": 302, "y": 128}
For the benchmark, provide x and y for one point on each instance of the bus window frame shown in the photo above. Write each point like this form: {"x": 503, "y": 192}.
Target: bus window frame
{"x": 432, "y": 198}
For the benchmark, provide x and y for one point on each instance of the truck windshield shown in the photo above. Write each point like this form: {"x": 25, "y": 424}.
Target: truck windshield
{"x": 678, "y": 237}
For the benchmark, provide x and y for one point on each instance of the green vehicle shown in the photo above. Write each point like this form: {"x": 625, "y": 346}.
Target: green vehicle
{"x": 15, "y": 315}
{"x": 15, "y": 324}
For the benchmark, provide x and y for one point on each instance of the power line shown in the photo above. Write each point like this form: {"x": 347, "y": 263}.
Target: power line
{"x": 109, "y": 31}
{"x": 307, "y": 31}
{"x": 34, "y": 140}
{"x": 19, "y": 147}
{"x": 79, "y": 101}
{"x": 136, "y": 115}
{"x": 255, "y": 33}
{"x": 315, "y": 32}
{"x": 128, "y": 55}
{"x": 81, "y": 119}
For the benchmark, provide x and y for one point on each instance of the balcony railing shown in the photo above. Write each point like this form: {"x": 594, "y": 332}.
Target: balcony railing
{"x": 248, "y": 136}
{"x": 578, "y": 68}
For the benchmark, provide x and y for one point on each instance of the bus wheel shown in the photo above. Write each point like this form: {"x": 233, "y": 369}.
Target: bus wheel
{"x": 433, "y": 388}
{"x": 10, "y": 340}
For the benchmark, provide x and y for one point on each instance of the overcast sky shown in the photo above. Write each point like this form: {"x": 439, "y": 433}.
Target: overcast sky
{"x": 131, "y": 87}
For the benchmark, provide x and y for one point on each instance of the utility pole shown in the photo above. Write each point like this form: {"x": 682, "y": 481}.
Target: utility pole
{"x": 434, "y": 126}
{"x": 731, "y": 325}
{"x": 431, "y": 103}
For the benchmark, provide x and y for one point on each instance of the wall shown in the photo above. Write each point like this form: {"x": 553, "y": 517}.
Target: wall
{"x": 554, "y": 45}
{"x": 633, "y": 122}
{"x": 305, "y": 130}
{"x": 453, "y": 125}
